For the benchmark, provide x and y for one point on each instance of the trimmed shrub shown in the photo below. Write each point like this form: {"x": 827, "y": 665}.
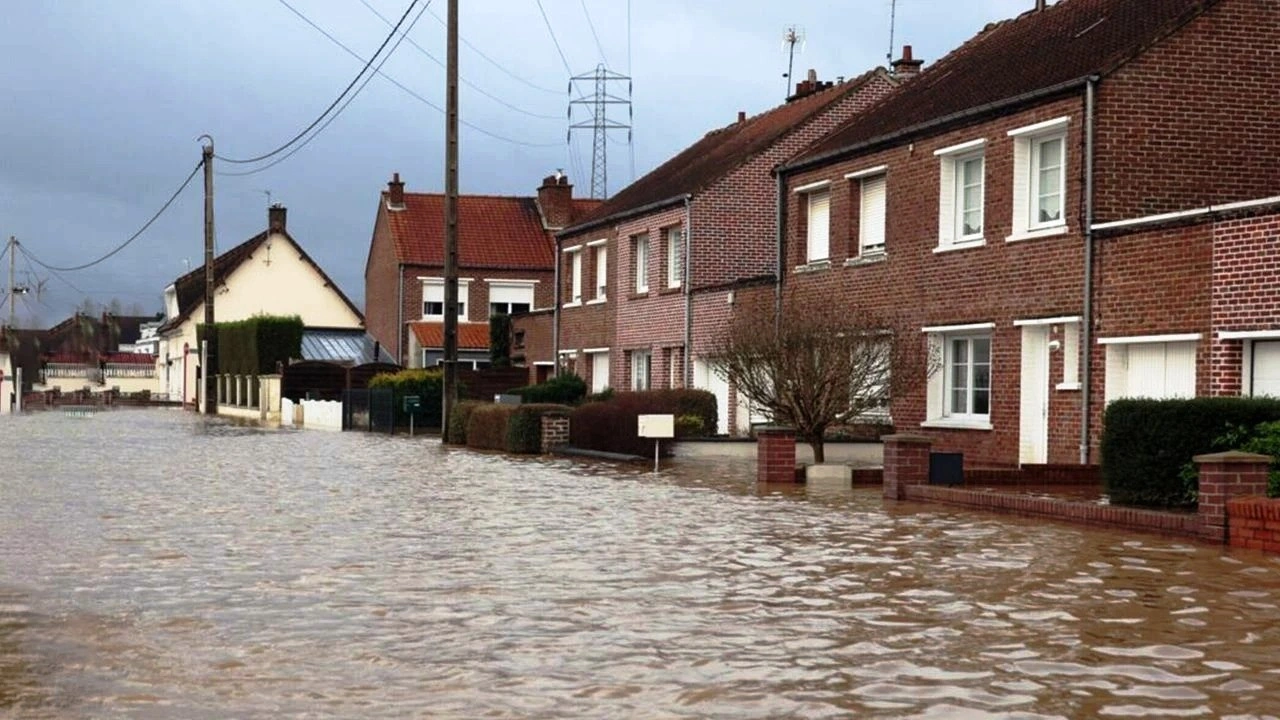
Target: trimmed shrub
{"x": 566, "y": 389}
{"x": 458, "y": 421}
{"x": 612, "y": 425}
{"x": 487, "y": 426}
{"x": 1263, "y": 439}
{"x": 689, "y": 426}
{"x": 1147, "y": 443}
{"x": 524, "y": 428}
{"x": 428, "y": 385}
{"x": 256, "y": 345}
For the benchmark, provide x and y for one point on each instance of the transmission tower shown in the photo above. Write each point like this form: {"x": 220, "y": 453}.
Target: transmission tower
{"x": 601, "y": 81}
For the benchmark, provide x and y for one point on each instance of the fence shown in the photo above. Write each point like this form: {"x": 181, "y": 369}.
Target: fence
{"x": 368, "y": 410}
{"x": 322, "y": 414}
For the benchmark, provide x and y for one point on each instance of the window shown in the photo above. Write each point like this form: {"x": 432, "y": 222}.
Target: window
{"x": 674, "y": 269}
{"x": 959, "y": 393}
{"x": 602, "y": 271}
{"x": 639, "y": 369}
{"x": 961, "y": 195}
{"x": 1155, "y": 367}
{"x": 818, "y": 233}
{"x": 575, "y": 274}
{"x": 1039, "y": 178}
{"x": 872, "y": 375}
{"x": 641, "y": 249}
{"x": 510, "y": 296}
{"x": 871, "y": 215}
{"x": 433, "y": 299}
{"x": 599, "y": 371}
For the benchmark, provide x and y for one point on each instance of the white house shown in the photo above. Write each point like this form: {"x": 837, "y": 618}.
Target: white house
{"x": 268, "y": 274}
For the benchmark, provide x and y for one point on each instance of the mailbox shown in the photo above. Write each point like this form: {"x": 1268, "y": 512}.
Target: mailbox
{"x": 412, "y": 404}
{"x": 657, "y": 426}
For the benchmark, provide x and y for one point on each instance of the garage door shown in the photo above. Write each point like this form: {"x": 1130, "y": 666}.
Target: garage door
{"x": 1266, "y": 368}
{"x": 1151, "y": 370}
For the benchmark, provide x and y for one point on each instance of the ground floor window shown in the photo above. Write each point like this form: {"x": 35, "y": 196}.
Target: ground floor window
{"x": 639, "y": 369}
{"x": 599, "y": 371}
{"x": 960, "y": 391}
{"x": 1150, "y": 369}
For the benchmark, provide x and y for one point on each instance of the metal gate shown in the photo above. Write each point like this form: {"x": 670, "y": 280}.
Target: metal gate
{"x": 368, "y": 410}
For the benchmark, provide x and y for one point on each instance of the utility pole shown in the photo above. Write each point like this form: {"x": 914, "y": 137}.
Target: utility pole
{"x": 208, "y": 390}
{"x": 600, "y": 123}
{"x": 450, "y": 393}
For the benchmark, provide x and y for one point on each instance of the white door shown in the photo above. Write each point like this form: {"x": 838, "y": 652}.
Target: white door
{"x": 1266, "y": 367}
{"x": 599, "y": 371}
{"x": 1033, "y": 439}
{"x": 704, "y": 378}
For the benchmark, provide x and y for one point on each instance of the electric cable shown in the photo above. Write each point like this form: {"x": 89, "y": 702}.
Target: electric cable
{"x": 495, "y": 63}
{"x": 592, "y": 25}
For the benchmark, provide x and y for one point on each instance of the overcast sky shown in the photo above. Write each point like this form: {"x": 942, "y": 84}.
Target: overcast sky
{"x": 103, "y": 102}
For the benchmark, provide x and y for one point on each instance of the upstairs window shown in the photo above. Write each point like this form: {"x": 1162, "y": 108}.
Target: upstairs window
{"x": 674, "y": 267}
{"x": 871, "y": 215}
{"x": 640, "y": 248}
{"x": 602, "y": 271}
{"x": 433, "y": 299}
{"x": 961, "y": 195}
{"x": 818, "y": 231}
{"x": 507, "y": 297}
{"x": 1039, "y": 178}
{"x": 573, "y": 262}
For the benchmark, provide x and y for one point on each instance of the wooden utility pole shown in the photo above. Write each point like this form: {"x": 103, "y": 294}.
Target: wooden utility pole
{"x": 450, "y": 223}
{"x": 208, "y": 390}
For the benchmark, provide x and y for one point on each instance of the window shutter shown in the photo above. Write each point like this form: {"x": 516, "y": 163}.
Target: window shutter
{"x": 511, "y": 293}
{"x": 1180, "y": 370}
{"x": 819, "y": 226}
{"x": 577, "y": 277}
{"x": 871, "y": 216}
{"x": 1021, "y": 184}
{"x": 947, "y": 202}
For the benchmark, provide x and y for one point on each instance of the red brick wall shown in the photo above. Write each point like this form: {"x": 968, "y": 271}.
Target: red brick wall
{"x": 536, "y": 343}
{"x": 380, "y": 287}
{"x": 653, "y": 320}
{"x": 1254, "y": 522}
{"x": 999, "y": 282}
{"x": 1194, "y": 120}
{"x": 1246, "y": 291}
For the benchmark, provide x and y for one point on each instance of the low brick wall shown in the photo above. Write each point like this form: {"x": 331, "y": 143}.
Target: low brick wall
{"x": 776, "y": 455}
{"x": 868, "y": 476}
{"x": 555, "y": 431}
{"x": 1254, "y": 522}
{"x": 1035, "y": 475}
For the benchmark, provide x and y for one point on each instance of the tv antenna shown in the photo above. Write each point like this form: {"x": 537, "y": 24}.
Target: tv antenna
{"x": 791, "y": 37}
{"x": 893, "y": 11}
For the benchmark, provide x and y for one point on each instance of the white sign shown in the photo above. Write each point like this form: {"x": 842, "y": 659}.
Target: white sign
{"x": 658, "y": 426}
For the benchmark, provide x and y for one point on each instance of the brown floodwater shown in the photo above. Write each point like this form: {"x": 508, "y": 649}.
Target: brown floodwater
{"x": 154, "y": 565}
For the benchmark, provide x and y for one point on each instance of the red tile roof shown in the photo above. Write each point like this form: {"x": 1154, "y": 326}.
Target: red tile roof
{"x": 719, "y": 152}
{"x": 1035, "y": 52}
{"x": 493, "y": 232}
{"x": 471, "y": 336}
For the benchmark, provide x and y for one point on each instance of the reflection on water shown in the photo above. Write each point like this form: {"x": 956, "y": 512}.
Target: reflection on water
{"x": 155, "y": 566}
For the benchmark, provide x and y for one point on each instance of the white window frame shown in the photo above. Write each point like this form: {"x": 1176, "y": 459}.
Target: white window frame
{"x": 940, "y": 412}
{"x": 675, "y": 237}
{"x": 817, "y": 247}
{"x": 1116, "y": 368}
{"x": 1249, "y": 340}
{"x": 951, "y": 210}
{"x": 1028, "y": 147}
{"x": 640, "y": 251}
{"x": 510, "y": 292}
{"x": 602, "y": 272}
{"x": 1068, "y": 344}
{"x": 949, "y": 361}
{"x": 575, "y": 275}
{"x": 641, "y": 370}
{"x": 433, "y": 286}
{"x": 872, "y": 220}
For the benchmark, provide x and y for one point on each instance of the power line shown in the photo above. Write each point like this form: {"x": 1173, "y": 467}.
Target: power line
{"x": 336, "y": 100}
{"x": 465, "y": 81}
{"x": 631, "y": 145}
{"x": 497, "y": 64}
{"x": 413, "y": 94}
{"x": 335, "y": 115}
{"x": 592, "y": 25}
{"x": 546, "y": 20}
{"x": 126, "y": 243}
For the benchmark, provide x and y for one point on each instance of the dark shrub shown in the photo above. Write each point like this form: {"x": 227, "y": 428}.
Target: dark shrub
{"x": 500, "y": 341}
{"x": 1146, "y": 443}
{"x": 1263, "y": 439}
{"x": 613, "y": 425}
{"x": 565, "y": 389}
{"x": 428, "y": 385}
{"x": 689, "y": 426}
{"x": 487, "y": 426}
{"x": 524, "y": 428}
{"x": 458, "y": 421}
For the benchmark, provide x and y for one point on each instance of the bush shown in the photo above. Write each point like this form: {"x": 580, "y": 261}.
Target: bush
{"x": 1147, "y": 443}
{"x": 500, "y": 341}
{"x": 612, "y": 425}
{"x": 487, "y": 426}
{"x": 255, "y": 346}
{"x": 458, "y": 421}
{"x": 428, "y": 385}
{"x": 689, "y": 426}
{"x": 524, "y": 428}
{"x": 1263, "y": 439}
{"x": 566, "y": 389}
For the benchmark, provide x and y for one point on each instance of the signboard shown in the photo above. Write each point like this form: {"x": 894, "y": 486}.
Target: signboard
{"x": 412, "y": 404}
{"x": 657, "y": 426}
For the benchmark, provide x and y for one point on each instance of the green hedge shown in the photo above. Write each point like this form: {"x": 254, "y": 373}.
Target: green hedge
{"x": 255, "y": 346}
{"x": 524, "y": 428}
{"x": 1146, "y": 443}
{"x": 565, "y": 389}
{"x": 500, "y": 341}
{"x": 612, "y": 425}
{"x": 428, "y": 385}
{"x": 487, "y": 426}
{"x": 458, "y": 422}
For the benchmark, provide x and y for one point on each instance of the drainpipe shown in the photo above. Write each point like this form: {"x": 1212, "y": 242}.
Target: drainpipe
{"x": 399, "y": 314}
{"x": 555, "y": 312}
{"x": 780, "y": 220}
{"x": 688, "y": 292}
{"x": 1086, "y": 326}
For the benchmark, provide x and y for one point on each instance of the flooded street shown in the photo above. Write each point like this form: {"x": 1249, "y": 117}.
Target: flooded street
{"x": 153, "y": 565}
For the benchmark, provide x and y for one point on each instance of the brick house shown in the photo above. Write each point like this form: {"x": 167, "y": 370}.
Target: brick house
{"x": 646, "y": 276}
{"x": 504, "y": 265}
{"x": 1095, "y": 174}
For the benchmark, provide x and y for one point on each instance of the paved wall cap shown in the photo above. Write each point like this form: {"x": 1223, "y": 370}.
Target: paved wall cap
{"x": 908, "y": 439}
{"x": 775, "y": 430}
{"x": 1232, "y": 456}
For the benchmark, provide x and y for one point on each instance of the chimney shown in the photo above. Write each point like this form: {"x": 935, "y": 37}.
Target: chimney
{"x": 1040, "y": 5}
{"x": 555, "y": 200}
{"x": 276, "y": 218}
{"x": 906, "y": 67}
{"x": 395, "y": 193}
{"x": 810, "y": 85}
{"x": 742, "y": 116}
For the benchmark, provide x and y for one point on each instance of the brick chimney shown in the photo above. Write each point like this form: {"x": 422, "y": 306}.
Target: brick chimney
{"x": 810, "y": 85}
{"x": 555, "y": 200}
{"x": 276, "y": 218}
{"x": 906, "y": 67}
{"x": 742, "y": 116}
{"x": 395, "y": 193}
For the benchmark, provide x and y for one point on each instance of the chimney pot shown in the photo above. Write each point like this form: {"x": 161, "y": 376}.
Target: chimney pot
{"x": 742, "y": 116}
{"x": 276, "y": 218}
{"x": 812, "y": 76}
{"x": 906, "y": 66}
{"x": 395, "y": 193}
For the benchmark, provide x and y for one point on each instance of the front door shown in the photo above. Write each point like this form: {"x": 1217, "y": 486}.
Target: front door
{"x": 705, "y": 378}
{"x": 1033, "y": 440}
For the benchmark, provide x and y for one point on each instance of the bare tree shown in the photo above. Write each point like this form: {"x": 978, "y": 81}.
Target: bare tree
{"x": 822, "y": 365}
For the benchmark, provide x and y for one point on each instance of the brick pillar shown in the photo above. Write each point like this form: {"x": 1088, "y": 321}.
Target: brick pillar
{"x": 775, "y": 455}
{"x": 1223, "y": 476}
{"x": 555, "y": 431}
{"x": 906, "y": 462}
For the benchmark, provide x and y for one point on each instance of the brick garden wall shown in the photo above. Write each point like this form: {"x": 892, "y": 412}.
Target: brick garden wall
{"x": 1254, "y": 523}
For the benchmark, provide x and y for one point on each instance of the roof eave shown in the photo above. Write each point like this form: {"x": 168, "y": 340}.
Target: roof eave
{"x": 624, "y": 215}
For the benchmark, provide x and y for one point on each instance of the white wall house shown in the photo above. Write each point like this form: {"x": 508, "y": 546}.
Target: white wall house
{"x": 268, "y": 274}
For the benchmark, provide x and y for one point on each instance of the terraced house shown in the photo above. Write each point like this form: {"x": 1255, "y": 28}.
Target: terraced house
{"x": 648, "y": 279}
{"x": 1076, "y": 205}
